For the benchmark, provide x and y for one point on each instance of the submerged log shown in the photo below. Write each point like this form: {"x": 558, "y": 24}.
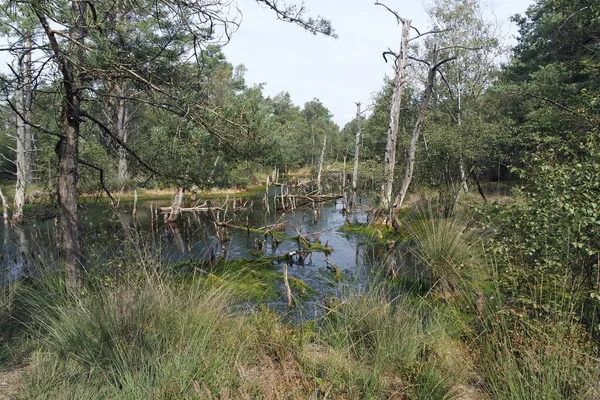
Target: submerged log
{"x": 199, "y": 208}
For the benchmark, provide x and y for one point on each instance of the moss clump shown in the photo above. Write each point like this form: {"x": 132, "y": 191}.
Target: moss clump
{"x": 380, "y": 233}
{"x": 317, "y": 247}
{"x": 247, "y": 279}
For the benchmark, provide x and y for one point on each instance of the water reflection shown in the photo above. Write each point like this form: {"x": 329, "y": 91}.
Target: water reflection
{"x": 204, "y": 235}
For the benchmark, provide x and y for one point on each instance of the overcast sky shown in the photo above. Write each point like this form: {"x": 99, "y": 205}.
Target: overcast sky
{"x": 342, "y": 71}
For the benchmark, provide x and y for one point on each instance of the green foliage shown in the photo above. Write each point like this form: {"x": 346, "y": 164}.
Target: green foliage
{"x": 554, "y": 225}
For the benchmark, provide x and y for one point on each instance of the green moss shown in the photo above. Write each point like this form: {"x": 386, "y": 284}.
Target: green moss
{"x": 317, "y": 247}
{"x": 380, "y": 233}
{"x": 247, "y": 279}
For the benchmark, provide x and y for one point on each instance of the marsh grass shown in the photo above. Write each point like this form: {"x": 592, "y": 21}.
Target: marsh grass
{"x": 537, "y": 349}
{"x": 148, "y": 330}
{"x": 398, "y": 339}
{"x": 136, "y": 340}
{"x": 446, "y": 250}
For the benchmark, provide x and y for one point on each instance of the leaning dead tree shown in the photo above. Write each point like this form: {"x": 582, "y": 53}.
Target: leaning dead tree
{"x": 389, "y": 159}
{"x": 399, "y": 83}
{"x": 433, "y": 67}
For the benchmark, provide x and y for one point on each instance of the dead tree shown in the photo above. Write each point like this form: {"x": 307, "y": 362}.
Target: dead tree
{"x": 410, "y": 159}
{"x": 176, "y": 207}
{"x": 389, "y": 159}
{"x": 321, "y": 158}
{"x": 24, "y": 138}
{"x": 356, "y": 154}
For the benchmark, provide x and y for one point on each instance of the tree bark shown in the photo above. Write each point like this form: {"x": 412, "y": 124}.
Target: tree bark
{"x": 122, "y": 131}
{"x": 321, "y": 158}
{"x": 389, "y": 160}
{"x": 69, "y": 62}
{"x": 24, "y": 153}
{"x": 27, "y": 103}
{"x": 21, "y": 162}
{"x": 356, "y": 154}
{"x": 410, "y": 160}
{"x": 176, "y": 208}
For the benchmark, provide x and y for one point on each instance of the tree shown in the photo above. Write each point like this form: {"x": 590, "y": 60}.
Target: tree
{"x": 20, "y": 36}
{"x": 77, "y": 44}
{"x": 389, "y": 159}
{"x": 549, "y": 91}
{"x": 465, "y": 35}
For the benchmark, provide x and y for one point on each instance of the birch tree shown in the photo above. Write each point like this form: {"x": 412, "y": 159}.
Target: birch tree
{"x": 19, "y": 30}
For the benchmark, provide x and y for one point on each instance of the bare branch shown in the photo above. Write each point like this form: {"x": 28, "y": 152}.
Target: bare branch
{"x": 399, "y": 19}
{"x": 27, "y": 122}
{"x": 447, "y": 86}
{"x": 433, "y": 32}
{"x": 561, "y": 106}
{"x": 121, "y": 143}
{"x": 99, "y": 169}
{"x": 439, "y": 64}
{"x": 460, "y": 47}
{"x": 419, "y": 60}
{"x": 389, "y": 53}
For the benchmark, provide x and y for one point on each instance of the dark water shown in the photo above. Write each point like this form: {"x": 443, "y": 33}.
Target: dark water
{"x": 108, "y": 236}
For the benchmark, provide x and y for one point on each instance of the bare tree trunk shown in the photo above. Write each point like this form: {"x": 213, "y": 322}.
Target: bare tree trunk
{"x": 312, "y": 149}
{"x": 24, "y": 148}
{"x": 4, "y": 207}
{"x": 123, "y": 133}
{"x": 356, "y": 154}
{"x": 320, "y": 170}
{"x": 463, "y": 176}
{"x": 176, "y": 205}
{"x": 21, "y": 157}
{"x": 410, "y": 160}
{"x": 389, "y": 160}
{"x": 118, "y": 120}
{"x": 29, "y": 142}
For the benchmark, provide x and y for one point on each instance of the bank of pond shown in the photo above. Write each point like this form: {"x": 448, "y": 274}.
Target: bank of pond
{"x": 242, "y": 299}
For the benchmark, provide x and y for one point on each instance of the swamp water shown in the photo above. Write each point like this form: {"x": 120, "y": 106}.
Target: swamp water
{"x": 108, "y": 237}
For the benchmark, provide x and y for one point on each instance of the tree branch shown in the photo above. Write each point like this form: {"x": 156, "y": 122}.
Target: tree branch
{"x": 420, "y": 35}
{"x": 294, "y": 14}
{"x": 121, "y": 143}
{"x": 99, "y": 169}
{"x": 399, "y": 19}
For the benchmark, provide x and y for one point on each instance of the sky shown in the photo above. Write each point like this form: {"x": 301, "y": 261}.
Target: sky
{"x": 338, "y": 72}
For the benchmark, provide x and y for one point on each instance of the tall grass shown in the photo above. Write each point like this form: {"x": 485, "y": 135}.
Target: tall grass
{"x": 446, "y": 250}
{"x": 140, "y": 333}
{"x": 147, "y": 339}
{"x": 399, "y": 340}
{"x": 537, "y": 351}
